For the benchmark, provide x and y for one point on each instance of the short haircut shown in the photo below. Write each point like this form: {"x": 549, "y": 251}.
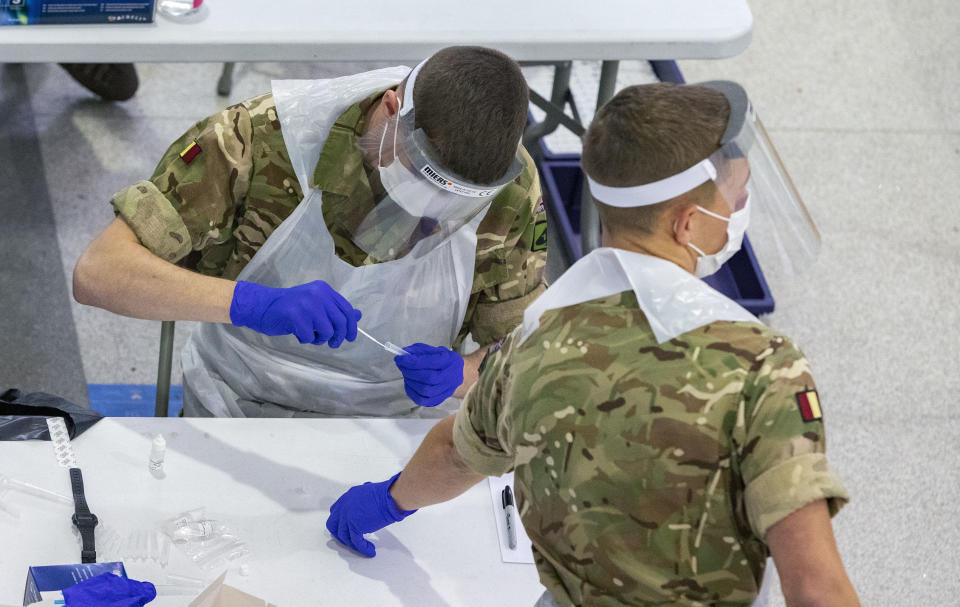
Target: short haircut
{"x": 647, "y": 133}
{"x": 472, "y": 102}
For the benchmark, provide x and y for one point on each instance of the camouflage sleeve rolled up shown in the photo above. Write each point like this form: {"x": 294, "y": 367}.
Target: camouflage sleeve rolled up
{"x": 191, "y": 201}
{"x": 511, "y": 258}
{"x": 782, "y": 460}
{"x": 479, "y": 433}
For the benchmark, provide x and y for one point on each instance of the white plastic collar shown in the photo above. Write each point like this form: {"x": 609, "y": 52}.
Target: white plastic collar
{"x": 657, "y": 191}
{"x": 673, "y": 300}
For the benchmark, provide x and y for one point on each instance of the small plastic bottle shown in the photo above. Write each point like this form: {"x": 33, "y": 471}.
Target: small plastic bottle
{"x": 157, "y": 453}
{"x": 175, "y": 9}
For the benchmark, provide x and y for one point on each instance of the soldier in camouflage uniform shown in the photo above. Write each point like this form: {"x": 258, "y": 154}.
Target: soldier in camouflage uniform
{"x": 221, "y": 190}
{"x": 650, "y": 469}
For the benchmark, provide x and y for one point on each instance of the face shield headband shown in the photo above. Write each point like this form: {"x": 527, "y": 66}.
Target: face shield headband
{"x": 412, "y": 148}
{"x": 424, "y": 202}
{"x": 746, "y": 166}
{"x": 735, "y": 140}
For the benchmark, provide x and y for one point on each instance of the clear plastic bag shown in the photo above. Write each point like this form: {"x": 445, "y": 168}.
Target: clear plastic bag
{"x": 208, "y": 543}
{"x": 220, "y": 553}
{"x": 193, "y": 526}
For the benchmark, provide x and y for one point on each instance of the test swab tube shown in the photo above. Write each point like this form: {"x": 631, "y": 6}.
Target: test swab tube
{"x": 389, "y": 347}
{"x": 107, "y": 541}
{"x": 10, "y": 483}
{"x": 183, "y": 580}
{"x": 142, "y": 545}
{"x": 153, "y": 547}
{"x": 165, "y": 551}
{"x": 173, "y": 590}
{"x": 229, "y": 551}
{"x": 157, "y": 452}
{"x": 394, "y": 349}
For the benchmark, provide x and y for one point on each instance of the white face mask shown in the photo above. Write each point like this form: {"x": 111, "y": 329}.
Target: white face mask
{"x": 407, "y": 193}
{"x": 396, "y": 178}
{"x": 736, "y": 228}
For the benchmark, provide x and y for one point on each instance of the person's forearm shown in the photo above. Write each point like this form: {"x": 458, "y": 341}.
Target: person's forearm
{"x": 805, "y": 553}
{"x": 119, "y": 274}
{"x": 828, "y": 593}
{"x": 471, "y": 371}
{"x": 435, "y": 473}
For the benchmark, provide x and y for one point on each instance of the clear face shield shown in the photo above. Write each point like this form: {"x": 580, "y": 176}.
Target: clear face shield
{"x": 422, "y": 203}
{"x": 754, "y": 183}
{"x": 782, "y": 231}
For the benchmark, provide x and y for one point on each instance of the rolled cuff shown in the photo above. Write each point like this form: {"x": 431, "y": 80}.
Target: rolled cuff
{"x": 494, "y": 320}
{"x": 789, "y": 486}
{"x": 475, "y": 453}
{"x": 154, "y": 220}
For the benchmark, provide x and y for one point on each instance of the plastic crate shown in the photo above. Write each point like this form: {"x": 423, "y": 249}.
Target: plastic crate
{"x": 740, "y": 279}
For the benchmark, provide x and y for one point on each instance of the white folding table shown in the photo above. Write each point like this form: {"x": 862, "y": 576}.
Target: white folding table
{"x": 378, "y": 30}
{"x": 272, "y": 481}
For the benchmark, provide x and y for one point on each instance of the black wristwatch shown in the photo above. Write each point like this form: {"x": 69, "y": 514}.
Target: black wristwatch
{"x": 84, "y": 520}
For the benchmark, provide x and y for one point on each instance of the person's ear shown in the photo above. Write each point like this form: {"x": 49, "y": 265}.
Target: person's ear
{"x": 390, "y": 103}
{"x": 683, "y": 221}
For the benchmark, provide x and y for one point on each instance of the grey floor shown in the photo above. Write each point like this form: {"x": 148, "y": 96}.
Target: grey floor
{"x": 863, "y": 101}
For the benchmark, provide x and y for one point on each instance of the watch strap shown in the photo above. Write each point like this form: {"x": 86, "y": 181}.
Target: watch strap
{"x": 84, "y": 520}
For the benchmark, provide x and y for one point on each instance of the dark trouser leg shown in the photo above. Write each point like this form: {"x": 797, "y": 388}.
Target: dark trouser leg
{"x": 110, "y": 81}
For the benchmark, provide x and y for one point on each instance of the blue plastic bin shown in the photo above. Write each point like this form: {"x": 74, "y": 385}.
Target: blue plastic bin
{"x": 740, "y": 279}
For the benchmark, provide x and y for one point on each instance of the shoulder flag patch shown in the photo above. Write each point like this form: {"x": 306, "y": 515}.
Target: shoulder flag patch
{"x": 539, "y": 236}
{"x": 191, "y": 152}
{"x": 809, "y": 404}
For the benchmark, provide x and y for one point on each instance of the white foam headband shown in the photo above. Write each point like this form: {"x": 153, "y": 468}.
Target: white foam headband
{"x": 408, "y": 88}
{"x": 657, "y": 191}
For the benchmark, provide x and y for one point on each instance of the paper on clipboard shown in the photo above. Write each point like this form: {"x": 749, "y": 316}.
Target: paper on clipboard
{"x": 523, "y": 553}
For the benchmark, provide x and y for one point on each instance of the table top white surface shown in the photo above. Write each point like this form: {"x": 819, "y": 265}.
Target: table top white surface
{"x": 272, "y": 482}
{"x": 374, "y": 30}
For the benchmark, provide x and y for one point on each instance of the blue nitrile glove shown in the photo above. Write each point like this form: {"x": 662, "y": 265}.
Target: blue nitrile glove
{"x": 364, "y": 509}
{"x": 314, "y": 313}
{"x": 109, "y": 590}
{"x": 430, "y": 374}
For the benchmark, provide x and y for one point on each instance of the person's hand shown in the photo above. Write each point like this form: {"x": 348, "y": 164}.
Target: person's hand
{"x": 430, "y": 374}
{"x": 313, "y": 313}
{"x": 109, "y": 590}
{"x": 364, "y": 509}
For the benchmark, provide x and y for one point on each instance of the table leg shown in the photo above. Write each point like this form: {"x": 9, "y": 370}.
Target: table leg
{"x": 554, "y": 108}
{"x": 589, "y": 220}
{"x": 164, "y": 367}
{"x": 667, "y": 71}
{"x": 225, "y": 84}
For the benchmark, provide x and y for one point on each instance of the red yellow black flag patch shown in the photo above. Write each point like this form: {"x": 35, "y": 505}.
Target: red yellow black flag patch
{"x": 191, "y": 151}
{"x": 809, "y": 404}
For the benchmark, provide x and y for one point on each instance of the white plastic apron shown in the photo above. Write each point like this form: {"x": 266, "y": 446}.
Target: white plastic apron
{"x": 237, "y": 372}
{"x": 673, "y": 300}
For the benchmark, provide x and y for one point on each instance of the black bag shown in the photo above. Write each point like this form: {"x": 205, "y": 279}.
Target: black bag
{"x": 24, "y": 416}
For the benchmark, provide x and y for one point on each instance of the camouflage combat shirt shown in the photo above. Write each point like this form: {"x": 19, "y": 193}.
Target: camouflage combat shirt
{"x": 210, "y": 209}
{"x": 648, "y": 474}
